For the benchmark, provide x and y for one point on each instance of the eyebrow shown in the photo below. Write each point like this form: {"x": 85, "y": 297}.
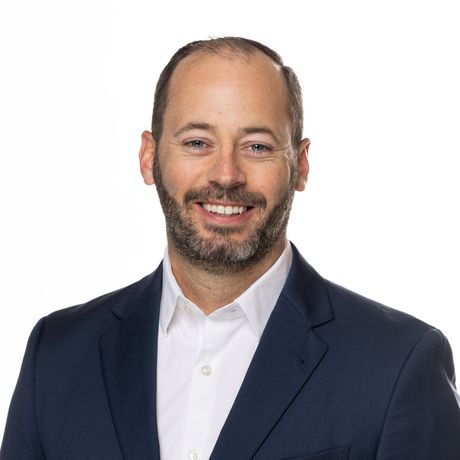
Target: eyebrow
{"x": 259, "y": 130}
{"x": 194, "y": 125}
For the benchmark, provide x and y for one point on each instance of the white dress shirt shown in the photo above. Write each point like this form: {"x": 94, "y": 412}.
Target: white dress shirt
{"x": 202, "y": 360}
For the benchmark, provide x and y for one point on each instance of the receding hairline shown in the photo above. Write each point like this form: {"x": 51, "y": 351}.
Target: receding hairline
{"x": 229, "y": 50}
{"x": 227, "y": 54}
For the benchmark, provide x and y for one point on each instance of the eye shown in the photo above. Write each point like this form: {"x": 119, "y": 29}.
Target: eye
{"x": 196, "y": 144}
{"x": 259, "y": 148}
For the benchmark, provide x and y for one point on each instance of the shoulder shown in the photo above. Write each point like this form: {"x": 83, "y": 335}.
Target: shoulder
{"x": 91, "y": 319}
{"x": 381, "y": 341}
{"x": 359, "y": 331}
{"x": 351, "y": 316}
{"x": 356, "y": 312}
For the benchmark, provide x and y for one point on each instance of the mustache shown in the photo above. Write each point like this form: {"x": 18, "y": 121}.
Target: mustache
{"x": 232, "y": 195}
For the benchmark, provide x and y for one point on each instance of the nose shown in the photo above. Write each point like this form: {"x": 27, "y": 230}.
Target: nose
{"x": 226, "y": 169}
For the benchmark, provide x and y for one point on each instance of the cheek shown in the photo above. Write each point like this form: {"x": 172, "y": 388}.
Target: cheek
{"x": 179, "y": 178}
{"x": 271, "y": 182}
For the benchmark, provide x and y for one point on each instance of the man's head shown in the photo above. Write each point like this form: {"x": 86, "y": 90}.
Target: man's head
{"x": 225, "y": 155}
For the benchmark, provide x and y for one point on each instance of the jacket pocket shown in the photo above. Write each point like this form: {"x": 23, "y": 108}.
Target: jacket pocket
{"x": 340, "y": 453}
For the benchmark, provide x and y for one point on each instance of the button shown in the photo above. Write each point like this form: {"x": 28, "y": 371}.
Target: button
{"x": 193, "y": 455}
{"x": 206, "y": 370}
{"x": 187, "y": 309}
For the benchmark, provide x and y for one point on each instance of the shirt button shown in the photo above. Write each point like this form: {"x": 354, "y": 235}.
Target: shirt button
{"x": 206, "y": 370}
{"x": 187, "y": 309}
{"x": 193, "y": 455}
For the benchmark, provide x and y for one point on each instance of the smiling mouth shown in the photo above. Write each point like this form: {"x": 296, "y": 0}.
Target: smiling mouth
{"x": 225, "y": 210}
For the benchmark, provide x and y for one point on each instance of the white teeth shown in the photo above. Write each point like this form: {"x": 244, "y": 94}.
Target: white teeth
{"x": 224, "y": 210}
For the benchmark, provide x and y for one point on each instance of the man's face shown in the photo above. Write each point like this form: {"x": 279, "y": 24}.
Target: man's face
{"x": 224, "y": 168}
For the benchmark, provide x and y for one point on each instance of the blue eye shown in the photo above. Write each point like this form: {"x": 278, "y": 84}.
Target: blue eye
{"x": 196, "y": 144}
{"x": 259, "y": 148}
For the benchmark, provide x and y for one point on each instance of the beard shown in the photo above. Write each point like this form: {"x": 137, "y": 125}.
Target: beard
{"x": 220, "y": 254}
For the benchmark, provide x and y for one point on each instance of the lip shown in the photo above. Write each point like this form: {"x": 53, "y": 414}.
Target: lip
{"x": 225, "y": 219}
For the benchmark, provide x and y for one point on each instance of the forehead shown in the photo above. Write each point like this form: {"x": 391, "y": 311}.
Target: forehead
{"x": 224, "y": 82}
{"x": 227, "y": 65}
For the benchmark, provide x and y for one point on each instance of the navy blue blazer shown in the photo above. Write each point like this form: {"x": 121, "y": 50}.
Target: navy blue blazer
{"x": 335, "y": 376}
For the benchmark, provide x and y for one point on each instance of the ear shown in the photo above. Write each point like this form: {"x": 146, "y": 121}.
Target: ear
{"x": 302, "y": 164}
{"x": 146, "y": 156}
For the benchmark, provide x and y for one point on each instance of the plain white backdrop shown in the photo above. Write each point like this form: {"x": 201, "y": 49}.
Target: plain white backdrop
{"x": 382, "y": 107}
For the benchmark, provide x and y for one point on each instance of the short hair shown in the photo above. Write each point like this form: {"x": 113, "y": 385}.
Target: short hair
{"x": 235, "y": 45}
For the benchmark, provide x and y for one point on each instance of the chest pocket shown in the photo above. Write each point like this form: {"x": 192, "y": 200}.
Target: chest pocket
{"x": 332, "y": 454}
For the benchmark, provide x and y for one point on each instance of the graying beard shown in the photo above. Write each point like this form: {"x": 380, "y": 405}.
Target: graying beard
{"x": 232, "y": 257}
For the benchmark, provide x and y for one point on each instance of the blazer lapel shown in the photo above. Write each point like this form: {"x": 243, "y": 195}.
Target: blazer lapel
{"x": 128, "y": 358}
{"x": 287, "y": 355}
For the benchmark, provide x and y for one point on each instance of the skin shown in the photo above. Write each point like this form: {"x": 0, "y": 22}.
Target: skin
{"x": 226, "y": 125}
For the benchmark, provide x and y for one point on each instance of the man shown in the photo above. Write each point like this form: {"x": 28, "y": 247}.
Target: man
{"x": 234, "y": 348}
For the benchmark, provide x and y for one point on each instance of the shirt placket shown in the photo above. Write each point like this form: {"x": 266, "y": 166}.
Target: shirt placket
{"x": 203, "y": 391}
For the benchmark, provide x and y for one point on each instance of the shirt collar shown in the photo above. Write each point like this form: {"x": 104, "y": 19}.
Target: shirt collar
{"x": 170, "y": 294}
{"x": 259, "y": 300}
{"x": 256, "y": 303}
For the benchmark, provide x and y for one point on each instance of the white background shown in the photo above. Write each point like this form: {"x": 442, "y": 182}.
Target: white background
{"x": 381, "y": 87}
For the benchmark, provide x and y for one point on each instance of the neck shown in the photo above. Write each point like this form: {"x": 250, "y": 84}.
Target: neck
{"x": 211, "y": 291}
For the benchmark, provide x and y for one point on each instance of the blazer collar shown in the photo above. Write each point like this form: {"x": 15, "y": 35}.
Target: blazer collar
{"x": 128, "y": 358}
{"x": 138, "y": 295}
{"x": 306, "y": 291}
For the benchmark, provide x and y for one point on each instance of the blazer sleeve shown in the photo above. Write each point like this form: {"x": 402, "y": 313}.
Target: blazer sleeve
{"x": 423, "y": 417}
{"x": 21, "y": 440}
